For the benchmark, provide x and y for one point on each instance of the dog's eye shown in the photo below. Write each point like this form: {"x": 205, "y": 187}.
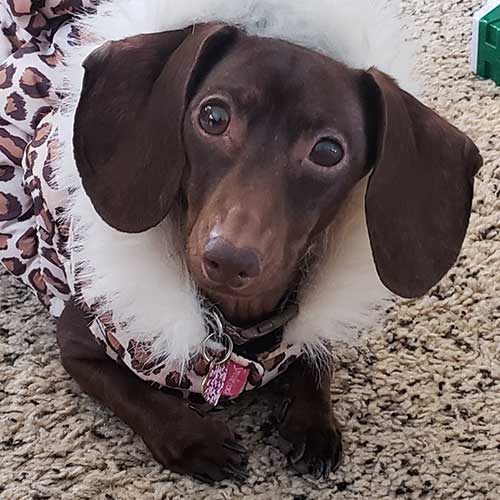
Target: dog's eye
{"x": 327, "y": 153}
{"x": 214, "y": 118}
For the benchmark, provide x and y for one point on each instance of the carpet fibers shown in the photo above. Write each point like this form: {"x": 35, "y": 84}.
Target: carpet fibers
{"x": 419, "y": 403}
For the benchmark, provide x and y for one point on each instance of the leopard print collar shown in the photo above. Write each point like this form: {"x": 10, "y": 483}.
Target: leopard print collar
{"x": 200, "y": 381}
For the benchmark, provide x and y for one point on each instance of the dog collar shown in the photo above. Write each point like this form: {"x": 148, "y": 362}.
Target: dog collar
{"x": 225, "y": 377}
{"x": 217, "y": 323}
{"x": 221, "y": 371}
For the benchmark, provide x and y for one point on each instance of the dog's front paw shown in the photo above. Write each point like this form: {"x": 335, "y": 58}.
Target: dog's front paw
{"x": 197, "y": 445}
{"x": 313, "y": 440}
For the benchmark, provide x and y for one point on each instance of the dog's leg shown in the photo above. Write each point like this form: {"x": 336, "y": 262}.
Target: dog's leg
{"x": 307, "y": 422}
{"x": 179, "y": 437}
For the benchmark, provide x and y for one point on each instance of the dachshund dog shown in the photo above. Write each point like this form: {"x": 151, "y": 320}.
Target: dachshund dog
{"x": 254, "y": 144}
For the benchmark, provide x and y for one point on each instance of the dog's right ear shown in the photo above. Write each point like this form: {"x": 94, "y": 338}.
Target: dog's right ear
{"x": 127, "y": 142}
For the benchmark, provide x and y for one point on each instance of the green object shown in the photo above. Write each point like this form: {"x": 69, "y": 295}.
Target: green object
{"x": 486, "y": 41}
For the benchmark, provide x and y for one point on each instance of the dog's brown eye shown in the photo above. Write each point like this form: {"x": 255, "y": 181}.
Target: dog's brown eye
{"x": 214, "y": 118}
{"x": 327, "y": 153}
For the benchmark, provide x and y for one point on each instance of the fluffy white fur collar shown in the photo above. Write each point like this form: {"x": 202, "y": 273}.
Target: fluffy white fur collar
{"x": 141, "y": 278}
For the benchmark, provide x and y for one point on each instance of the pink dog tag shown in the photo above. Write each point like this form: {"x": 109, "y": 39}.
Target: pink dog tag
{"x": 226, "y": 379}
{"x": 213, "y": 383}
{"x": 236, "y": 380}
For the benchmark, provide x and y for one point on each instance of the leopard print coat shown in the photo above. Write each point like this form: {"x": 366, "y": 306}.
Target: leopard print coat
{"x": 35, "y": 240}
{"x": 31, "y": 241}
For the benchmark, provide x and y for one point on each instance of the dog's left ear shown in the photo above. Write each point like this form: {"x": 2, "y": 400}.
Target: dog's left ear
{"x": 128, "y": 144}
{"x": 419, "y": 195}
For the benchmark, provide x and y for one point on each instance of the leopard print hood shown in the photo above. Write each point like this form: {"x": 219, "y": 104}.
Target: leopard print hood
{"x": 141, "y": 278}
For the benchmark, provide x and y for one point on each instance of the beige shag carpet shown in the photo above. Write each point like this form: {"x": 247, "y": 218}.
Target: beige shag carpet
{"x": 420, "y": 404}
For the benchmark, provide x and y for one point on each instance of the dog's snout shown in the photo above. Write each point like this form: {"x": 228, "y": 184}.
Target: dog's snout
{"x": 225, "y": 264}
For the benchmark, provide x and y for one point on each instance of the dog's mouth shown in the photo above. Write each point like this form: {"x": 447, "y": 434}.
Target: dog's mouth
{"x": 260, "y": 298}
{"x": 244, "y": 311}
{"x": 244, "y": 307}
{"x": 248, "y": 306}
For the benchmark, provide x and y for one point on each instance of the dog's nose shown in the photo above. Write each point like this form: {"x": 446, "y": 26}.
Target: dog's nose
{"x": 223, "y": 263}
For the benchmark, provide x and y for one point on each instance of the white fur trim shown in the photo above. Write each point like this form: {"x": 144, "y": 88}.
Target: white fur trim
{"x": 141, "y": 278}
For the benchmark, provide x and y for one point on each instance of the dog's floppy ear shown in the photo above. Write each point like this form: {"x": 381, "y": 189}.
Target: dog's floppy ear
{"x": 128, "y": 143}
{"x": 419, "y": 195}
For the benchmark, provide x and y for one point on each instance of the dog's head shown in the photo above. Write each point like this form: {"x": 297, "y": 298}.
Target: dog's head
{"x": 259, "y": 141}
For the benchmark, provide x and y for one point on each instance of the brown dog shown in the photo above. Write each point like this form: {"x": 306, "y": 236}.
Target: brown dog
{"x": 256, "y": 143}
